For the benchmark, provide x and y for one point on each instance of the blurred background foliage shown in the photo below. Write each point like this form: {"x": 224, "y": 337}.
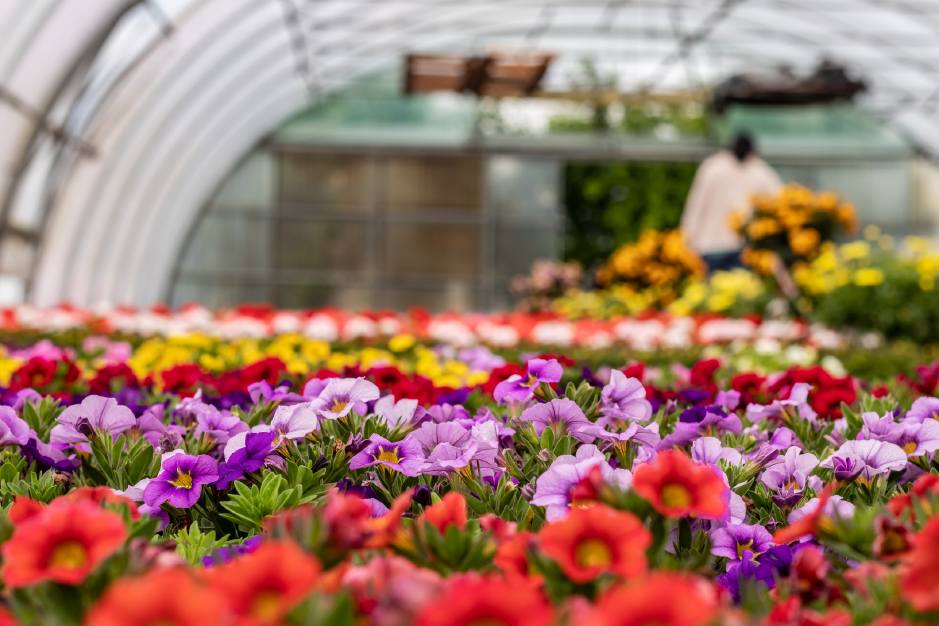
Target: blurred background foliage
{"x": 610, "y": 204}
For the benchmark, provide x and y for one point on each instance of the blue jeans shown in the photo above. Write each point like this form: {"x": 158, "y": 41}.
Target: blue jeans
{"x": 723, "y": 261}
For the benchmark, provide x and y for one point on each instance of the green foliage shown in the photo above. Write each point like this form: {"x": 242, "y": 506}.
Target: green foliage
{"x": 250, "y": 506}
{"x": 38, "y": 486}
{"x": 610, "y": 204}
{"x": 40, "y": 416}
{"x": 119, "y": 467}
{"x": 193, "y": 544}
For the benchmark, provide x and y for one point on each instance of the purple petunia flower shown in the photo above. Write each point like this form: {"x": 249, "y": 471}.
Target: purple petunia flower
{"x": 881, "y": 428}
{"x": 554, "y": 487}
{"x": 836, "y": 505}
{"x": 923, "y": 409}
{"x": 341, "y": 395}
{"x": 798, "y": 399}
{"x": 522, "y": 388}
{"x": 293, "y": 422}
{"x": 135, "y": 493}
{"x": 94, "y": 415}
{"x": 448, "y": 413}
{"x": 21, "y": 397}
{"x": 643, "y": 435}
{"x": 403, "y": 456}
{"x": 180, "y": 482}
{"x": 13, "y": 429}
{"x": 217, "y": 426}
{"x": 919, "y": 439}
{"x": 150, "y": 425}
{"x": 366, "y": 493}
{"x": 700, "y": 421}
{"x": 446, "y": 459}
{"x": 623, "y": 399}
{"x": 773, "y": 565}
{"x": 729, "y": 399}
{"x": 875, "y": 457}
{"x": 563, "y": 414}
{"x": 46, "y": 457}
{"x": 252, "y": 457}
{"x": 792, "y": 473}
{"x": 730, "y": 541}
{"x": 432, "y": 434}
{"x": 405, "y": 412}
{"x": 711, "y": 450}
{"x": 224, "y": 555}
{"x": 262, "y": 390}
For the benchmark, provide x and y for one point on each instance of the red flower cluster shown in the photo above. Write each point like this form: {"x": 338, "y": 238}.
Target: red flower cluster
{"x": 827, "y": 394}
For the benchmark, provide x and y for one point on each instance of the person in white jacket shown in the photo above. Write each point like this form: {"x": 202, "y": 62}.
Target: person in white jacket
{"x": 723, "y": 184}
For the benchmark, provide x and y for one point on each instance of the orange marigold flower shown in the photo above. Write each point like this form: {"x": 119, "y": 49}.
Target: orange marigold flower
{"x": 470, "y": 599}
{"x": 663, "y": 599}
{"x": 920, "y": 583}
{"x": 450, "y": 510}
{"x": 63, "y": 543}
{"x": 264, "y": 586}
{"x": 676, "y": 486}
{"x": 162, "y": 596}
{"x": 589, "y": 542}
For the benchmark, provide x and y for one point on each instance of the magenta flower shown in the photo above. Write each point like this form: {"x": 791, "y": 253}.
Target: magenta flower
{"x": 522, "y": 388}
{"x": 13, "y": 429}
{"x": 923, "y": 409}
{"x": 94, "y": 415}
{"x": 873, "y": 457}
{"x": 341, "y": 394}
{"x": 563, "y": 414}
{"x": 263, "y": 391}
{"x": 448, "y": 413}
{"x": 732, "y": 540}
{"x": 180, "y": 482}
{"x": 403, "y": 456}
{"x": 623, "y": 399}
{"x": 293, "y": 422}
{"x": 554, "y": 488}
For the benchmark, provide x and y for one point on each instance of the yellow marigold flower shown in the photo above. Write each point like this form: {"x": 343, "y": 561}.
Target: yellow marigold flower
{"x": 454, "y": 382}
{"x": 7, "y": 367}
{"x": 804, "y": 241}
{"x": 926, "y": 283}
{"x": 720, "y": 301}
{"x": 338, "y": 361}
{"x": 928, "y": 265}
{"x": 282, "y": 351}
{"x": 298, "y": 366}
{"x": 315, "y": 350}
{"x": 737, "y": 220}
{"x": 369, "y": 357}
{"x": 763, "y": 227}
{"x": 474, "y": 379}
{"x": 868, "y": 277}
{"x": 855, "y": 250}
{"x": 213, "y": 363}
{"x": 400, "y": 343}
{"x": 457, "y": 368}
{"x": 827, "y": 201}
{"x": 919, "y": 245}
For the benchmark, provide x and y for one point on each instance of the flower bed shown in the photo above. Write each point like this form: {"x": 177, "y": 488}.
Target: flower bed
{"x": 544, "y": 494}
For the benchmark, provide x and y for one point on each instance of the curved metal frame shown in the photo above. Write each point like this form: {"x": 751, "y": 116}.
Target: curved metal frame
{"x": 112, "y": 228}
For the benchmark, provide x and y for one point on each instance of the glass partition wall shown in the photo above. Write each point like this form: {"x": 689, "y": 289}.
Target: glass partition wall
{"x": 372, "y": 229}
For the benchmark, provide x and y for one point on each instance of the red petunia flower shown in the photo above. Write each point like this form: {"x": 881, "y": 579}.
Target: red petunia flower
{"x": 920, "y": 583}
{"x": 7, "y": 619}
{"x": 663, "y": 599}
{"x": 99, "y": 496}
{"x": 809, "y": 524}
{"x": 162, "y": 596}
{"x": 450, "y": 510}
{"x": 589, "y": 542}
{"x": 264, "y": 586}
{"x": 676, "y": 486}
{"x": 63, "y": 543}
{"x": 471, "y": 599}
{"x": 24, "y": 509}
{"x": 35, "y": 373}
{"x": 512, "y": 559}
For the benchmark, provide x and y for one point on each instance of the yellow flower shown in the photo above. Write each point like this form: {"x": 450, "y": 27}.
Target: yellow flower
{"x": 919, "y": 245}
{"x": 763, "y": 227}
{"x": 213, "y": 363}
{"x": 474, "y": 379}
{"x": 7, "y": 367}
{"x": 868, "y": 277}
{"x": 927, "y": 283}
{"x": 720, "y": 301}
{"x": 400, "y": 343}
{"x": 298, "y": 366}
{"x": 856, "y": 250}
{"x": 315, "y": 350}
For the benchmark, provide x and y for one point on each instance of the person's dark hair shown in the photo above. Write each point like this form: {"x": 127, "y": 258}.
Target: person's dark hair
{"x": 743, "y": 146}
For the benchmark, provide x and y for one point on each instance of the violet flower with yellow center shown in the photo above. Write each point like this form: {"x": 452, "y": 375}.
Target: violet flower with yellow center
{"x": 731, "y": 541}
{"x": 522, "y": 388}
{"x": 180, "y": 482}
{"x": 340, "y": 396}
{"x": 405, "y": 456}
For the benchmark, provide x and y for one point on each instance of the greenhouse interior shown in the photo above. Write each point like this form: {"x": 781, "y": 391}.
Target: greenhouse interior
{"x": 464, "y": 313}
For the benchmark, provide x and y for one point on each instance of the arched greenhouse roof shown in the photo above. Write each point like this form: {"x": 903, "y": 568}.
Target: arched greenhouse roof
{"x": 120, "y": 117}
